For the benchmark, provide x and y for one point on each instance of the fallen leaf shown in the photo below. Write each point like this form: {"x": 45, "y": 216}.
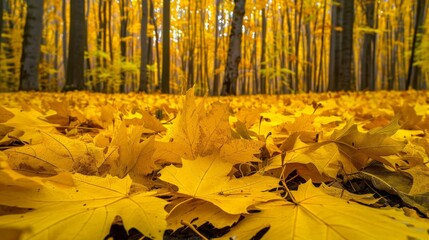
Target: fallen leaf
{"x": 208, "y": 178}
{"x": 86, "y": 209}
{"x": 360, "y": 147}
{"x": 316, "y": 215}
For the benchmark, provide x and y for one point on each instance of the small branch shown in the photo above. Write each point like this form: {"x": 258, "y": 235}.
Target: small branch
{"x": 193, "y": 229}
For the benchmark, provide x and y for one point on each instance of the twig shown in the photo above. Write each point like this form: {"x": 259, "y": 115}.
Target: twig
{"x": 193, "y": 229}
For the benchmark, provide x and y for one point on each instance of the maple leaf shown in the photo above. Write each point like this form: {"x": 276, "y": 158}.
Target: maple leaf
{"x": 410, "y": 185}
{"x": 359, "y": 147}
{"x": 198, "y": 212}
{"x": 318, "y": 162}
{"x": 84, "y": 210}
{"x": 62, "y": 115}
{"x": 207, "y": 178}
{"x": 5, "y": 115}
{"x": 56, "y": 153}
{"x": 128, "y": 154}
{"x": 201, "y": 132}
{"x": 316, "y": 215}
{"x": 26, "y": 125}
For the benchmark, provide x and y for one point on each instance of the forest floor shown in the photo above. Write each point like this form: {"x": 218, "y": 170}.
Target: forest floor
{"x": 123, "y": 166}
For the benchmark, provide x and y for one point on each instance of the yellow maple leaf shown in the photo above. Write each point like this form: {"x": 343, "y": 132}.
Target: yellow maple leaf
{"x": 85, "y": 210}
{"x": 198, "y": 212}
{"x": 5, "y": 115}
{"x": 318, "y": 162}
{"x": 128, "y": 154}
{"x": 360, "y": 147}
{"x": 26, "y": 125}
{"x": 198, "y": 131}
{"x": 208, "y": 178}
{"x": 316, "y": 215}
{"x": 56, "y": 153}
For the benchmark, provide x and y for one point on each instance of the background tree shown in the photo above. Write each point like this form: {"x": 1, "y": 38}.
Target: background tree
{"x": 123, "y": 9}
{"x": 414, "y": 71}
{"x": 144, "y": 56}
{"x": 75, "y": 70}
{"x": 341, "y": 55}
{"x": 234, "y": 51}
{"x": 165, "y": 87}
{"x": 29, "y": 79}
{"x": 368, "y": 58}
{"x": 1, "y": 23}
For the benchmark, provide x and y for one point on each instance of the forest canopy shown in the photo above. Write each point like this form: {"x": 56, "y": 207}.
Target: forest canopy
{"x": 169, "y": 46}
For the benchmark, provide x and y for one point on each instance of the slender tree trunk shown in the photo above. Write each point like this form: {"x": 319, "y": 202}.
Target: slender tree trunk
{"x": 144, "y": 48}
{"x": 158, "y": 58}
{"x": 29, "y": 78}
{"x": 1, "y": 22}
{"x": 322, "y": 48}
{"x": 298, "y": 31}
{"x": 75, "y": 70}
{"x": 216, "y": 77}
{"x": 263, "y": 76}
{"x": 64, "y": 38}
{"x": 123, "y": 9}
{"x": 335, "y": 48}
{"x": 165, "y": 87}
{"x": 368, "y": 57}
{"x": 234, "y": 51}
{"x": 346, "y": 76}
{"x": 414, "y": 71}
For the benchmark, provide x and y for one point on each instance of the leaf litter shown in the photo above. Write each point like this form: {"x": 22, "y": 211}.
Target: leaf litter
{"x": 308, "y": 166}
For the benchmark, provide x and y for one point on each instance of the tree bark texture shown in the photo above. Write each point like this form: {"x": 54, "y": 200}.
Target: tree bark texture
{"x": 414, "y": 71}
{"x": 165, "y": 87}
{"x": 346, "y": 75}
{"x": 368, "y": 76}
{"x": 234, "y": 51}
{"x": 29, "y": 77}
{"x": 144, "y": 56}
{"x": 75, "y": 69}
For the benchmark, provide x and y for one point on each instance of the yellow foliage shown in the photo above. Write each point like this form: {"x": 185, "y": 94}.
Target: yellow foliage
{"x": 72, "y": 163}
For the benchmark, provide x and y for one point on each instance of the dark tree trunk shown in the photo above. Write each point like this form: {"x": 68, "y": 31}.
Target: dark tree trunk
{"x": 75, "y": 69}
{"x": 414, "y": 71}
{"x": 1, "y": 22}
{"x": 216, "y": 77}
{"x": 64, "y": 38}
{"x": 341, "y": 55}
{"x": 234, "y": 51}
{"x": 368, "y": 57}
{"x": 165, "y": 87}
{"x": 335, "y": 48}
{"x": 123, "y": 9}
{"x": 263, "y": 76}
{"x": 158, "y": 58}
{"x": 29, "y": 78}
{"x": 346, "y": 75}
{"x": 144, "y": 48}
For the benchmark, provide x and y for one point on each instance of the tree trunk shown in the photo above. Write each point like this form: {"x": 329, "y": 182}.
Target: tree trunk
{"x": 158, "y": 58}
{"x": 368, "y": 57}
{"x": 165, "y": 87}
{"x": 1, "y": 22}
{"x": 216, "y": 77}
{"x": 75, "y": 68}
{"x": 322, "y": 46}
{"x": 29, "y": 78}
{"x": 144, "y": 48}
{"x": 123, "y": 9}
{"x": 346, "y": 77}
{"x": 263, "y": 76}
{"x": 64, "y": 37}
{"x": 234, "y": 51}
{"x": 414, "y": 71}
